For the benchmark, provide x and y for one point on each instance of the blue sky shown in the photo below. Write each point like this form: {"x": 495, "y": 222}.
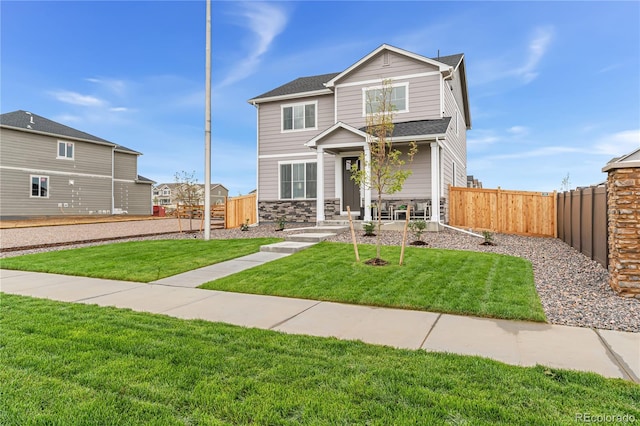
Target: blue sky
{"x": 554, "y": 86}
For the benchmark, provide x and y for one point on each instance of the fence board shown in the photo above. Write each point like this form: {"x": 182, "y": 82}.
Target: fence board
{"x": 241, "y": 209}
{"x": 582, "y": 221}
{"x": 509, "y": 212}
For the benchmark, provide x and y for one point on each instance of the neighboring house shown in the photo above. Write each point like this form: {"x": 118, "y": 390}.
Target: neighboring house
{"x": 49, "y": 169}
{"x": 312, "y": 129}
{"x": 473, "y": 182}
{"x": 170, "y": 194}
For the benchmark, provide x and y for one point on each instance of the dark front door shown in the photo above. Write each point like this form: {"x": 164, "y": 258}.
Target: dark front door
{"x": 350, "y": 189}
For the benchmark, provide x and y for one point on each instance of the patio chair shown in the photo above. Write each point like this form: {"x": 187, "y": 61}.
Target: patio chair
{"x": 386, "y": 211}
{"x": 421, "y": 211}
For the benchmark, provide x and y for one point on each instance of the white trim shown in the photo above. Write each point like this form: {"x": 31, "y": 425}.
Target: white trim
{"x": 280, "y": 163}
{"x": 292, "y": 106}
{"x": 257, "y": 162}
{"x": 381, "y": 80}
{"x": 454, "y": 171}
{"x": 291, "y": 96}
{"x": 297, "y": 154}
{"x": 314, "y": 142}
{"x": 445, "y": 144}
{"x": 393, "y": 86}
{"x": 320, "y": 185}
{"x": 55, "y": 173}
{"x": 126, "y": 180}
{"x": 39, "y": 176}
{"x": 65, "y": 157}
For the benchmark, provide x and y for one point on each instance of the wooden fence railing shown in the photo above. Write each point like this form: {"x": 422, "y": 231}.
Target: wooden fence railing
{"x": 232, "y": 214}
{"x": 509, "y": 212}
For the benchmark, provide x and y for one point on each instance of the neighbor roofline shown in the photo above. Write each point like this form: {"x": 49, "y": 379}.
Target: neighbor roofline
{"x": 56, "y": 135}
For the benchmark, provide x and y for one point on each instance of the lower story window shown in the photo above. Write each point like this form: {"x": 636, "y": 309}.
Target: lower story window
{"x": 40, "y": 186}
{"x": 298, "y": 180}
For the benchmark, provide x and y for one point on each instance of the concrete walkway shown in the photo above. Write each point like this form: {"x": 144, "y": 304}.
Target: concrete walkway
{"x": 609, "y": 353}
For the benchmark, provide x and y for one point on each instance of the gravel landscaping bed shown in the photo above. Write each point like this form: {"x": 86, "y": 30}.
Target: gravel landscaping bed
{"x": 574, "y": 290}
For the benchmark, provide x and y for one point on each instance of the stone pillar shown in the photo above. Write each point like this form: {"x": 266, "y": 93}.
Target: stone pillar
{"x": 623, "y": 210}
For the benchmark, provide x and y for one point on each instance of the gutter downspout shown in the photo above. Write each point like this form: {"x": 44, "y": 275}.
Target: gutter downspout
{"x": 257, "y": 106}
{"x": 113, "y": 177}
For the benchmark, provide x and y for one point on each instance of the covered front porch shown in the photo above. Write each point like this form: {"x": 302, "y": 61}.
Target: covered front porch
{"x": 344, "y": 146}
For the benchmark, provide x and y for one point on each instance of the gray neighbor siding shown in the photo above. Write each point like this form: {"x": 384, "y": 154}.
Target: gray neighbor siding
{"x": 432, "y": 95}
{"x": 82, "y": 185}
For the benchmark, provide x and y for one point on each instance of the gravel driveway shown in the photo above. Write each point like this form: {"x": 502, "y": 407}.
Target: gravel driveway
{"x": 574, "y": 290}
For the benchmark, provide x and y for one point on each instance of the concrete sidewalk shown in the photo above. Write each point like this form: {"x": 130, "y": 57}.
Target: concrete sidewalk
{"x": 609, "y": 353}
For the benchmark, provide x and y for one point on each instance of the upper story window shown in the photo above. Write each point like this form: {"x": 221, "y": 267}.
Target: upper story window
{"x": 301, "y": 116}
{"x": 397, "y": 97}
{"x": 40, "y": 186}
{"x": 166, "y": 192}
{"x": 65, "y": 150}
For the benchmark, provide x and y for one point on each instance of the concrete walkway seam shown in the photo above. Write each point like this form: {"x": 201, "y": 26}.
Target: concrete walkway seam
{"x": 624, "y": 367}
{"x": 278, "y": 324}
{"x": 430, "y": 330}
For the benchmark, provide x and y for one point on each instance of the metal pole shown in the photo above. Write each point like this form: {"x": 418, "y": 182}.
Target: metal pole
{"x": 207, "y": 132}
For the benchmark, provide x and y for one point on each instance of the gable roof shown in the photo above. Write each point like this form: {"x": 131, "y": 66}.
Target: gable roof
{"x": 629, "y": 160}
{"x": 28, "y": 122}
{"x": 441, "y": 66}
{"x": 319, "y": 84}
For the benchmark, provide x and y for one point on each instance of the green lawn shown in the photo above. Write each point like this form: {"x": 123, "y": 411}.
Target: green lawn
{"x": 141, "y": 261}
{"x": 463, "y": 282}
{"x": 75, "y": 364}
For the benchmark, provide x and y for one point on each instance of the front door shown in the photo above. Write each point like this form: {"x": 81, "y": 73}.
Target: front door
{"x": 350, "y": 189}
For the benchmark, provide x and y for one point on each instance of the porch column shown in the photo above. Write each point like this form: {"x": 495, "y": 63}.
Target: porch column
{"x": 320, "y": 185}
{"x": 367, "y": 188}
{"x": 435, "y": 182}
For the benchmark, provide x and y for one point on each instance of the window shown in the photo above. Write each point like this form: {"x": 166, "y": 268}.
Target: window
{"x": 166, "y": 192}
{"x": 298, "y": 180}
{"x": 65, "y": 150}
{"x": 398, "y": 98}
{"x": 299, "y": 116}
{"x": 40, "y": 186}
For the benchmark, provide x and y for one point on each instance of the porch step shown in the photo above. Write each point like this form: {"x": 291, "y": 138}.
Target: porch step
{"x": 310, "y": 237}
{"x": 286, "y": 247}
{"x": 326, "y": 228}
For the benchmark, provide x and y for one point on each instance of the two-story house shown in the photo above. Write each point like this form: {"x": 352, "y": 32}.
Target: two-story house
{"x": 49, "y": 169}
{"x": 170, "y": 194}
{"x": 312, "y": 129}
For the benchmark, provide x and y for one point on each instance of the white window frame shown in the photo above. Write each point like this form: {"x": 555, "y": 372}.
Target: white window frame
{"x": 166, "y": 192}
{"x": 393, "y": 86}
{"x": 39, "y": 177}
{"x": 292, "y": 106}
{"x": 305, "y": 162}
{"x": 66, "y": 146}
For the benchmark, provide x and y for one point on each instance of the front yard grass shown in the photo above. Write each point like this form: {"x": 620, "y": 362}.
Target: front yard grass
{"x": 77, "y": 364}
{"x": 141, "y": 261}
{"x": 463, "y": 282}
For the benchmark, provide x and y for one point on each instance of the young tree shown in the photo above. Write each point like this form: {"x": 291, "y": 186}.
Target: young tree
{"x": 383, "y": 171}
{"x": 188, "y": 192}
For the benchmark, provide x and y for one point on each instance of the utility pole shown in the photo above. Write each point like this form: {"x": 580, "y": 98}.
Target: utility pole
{"x": 207, "y": 131}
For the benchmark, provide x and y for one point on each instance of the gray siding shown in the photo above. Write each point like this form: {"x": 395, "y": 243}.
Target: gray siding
{"x": 374, "y": 68}
{"x": 75, "y": 195}
{"x": 418, "y": 185}
{"x": 125, "y": 166}
{"x": 132, "y": 198}
{"x": 423, "y": 93}
{"x": 274, "y": 141}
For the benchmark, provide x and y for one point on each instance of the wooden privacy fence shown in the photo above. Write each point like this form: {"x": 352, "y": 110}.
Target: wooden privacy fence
{"x": 232, "y": 214}
{"x": 582, "y": 221}
{"x": 509, "y": 212}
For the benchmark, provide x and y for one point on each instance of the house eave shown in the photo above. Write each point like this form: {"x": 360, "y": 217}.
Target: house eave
{"x": 55, "y": 135}
{"x": 299, "y": 95}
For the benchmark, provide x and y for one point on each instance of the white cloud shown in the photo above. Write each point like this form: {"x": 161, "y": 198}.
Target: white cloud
{"x": 619, "y": 143}
{"x": 119, "y": 109}
{"x": 77, "y": 98}
{"x": 518, "y": 130}
{"x": 539, "y": 152}
{"x": 114, "y": 85}
{"x": 265, "y": 21}
{"x": 537, "y": 48}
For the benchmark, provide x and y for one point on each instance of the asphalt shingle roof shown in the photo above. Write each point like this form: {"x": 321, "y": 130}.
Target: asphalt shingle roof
{"x": 316, "y": 82}
{"x": 26, "y": 120}
{"x": 419, "y": 127}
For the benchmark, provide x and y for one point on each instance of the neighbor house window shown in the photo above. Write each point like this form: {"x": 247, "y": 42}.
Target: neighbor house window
{"x": 298, "y": 180}
{"x": 299, "y": 116}
{"x": 398, "y": 98}
{"x": 166, "y": 192}
{"x": 65, "y": 150}
{"x": 40, "y": 186}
